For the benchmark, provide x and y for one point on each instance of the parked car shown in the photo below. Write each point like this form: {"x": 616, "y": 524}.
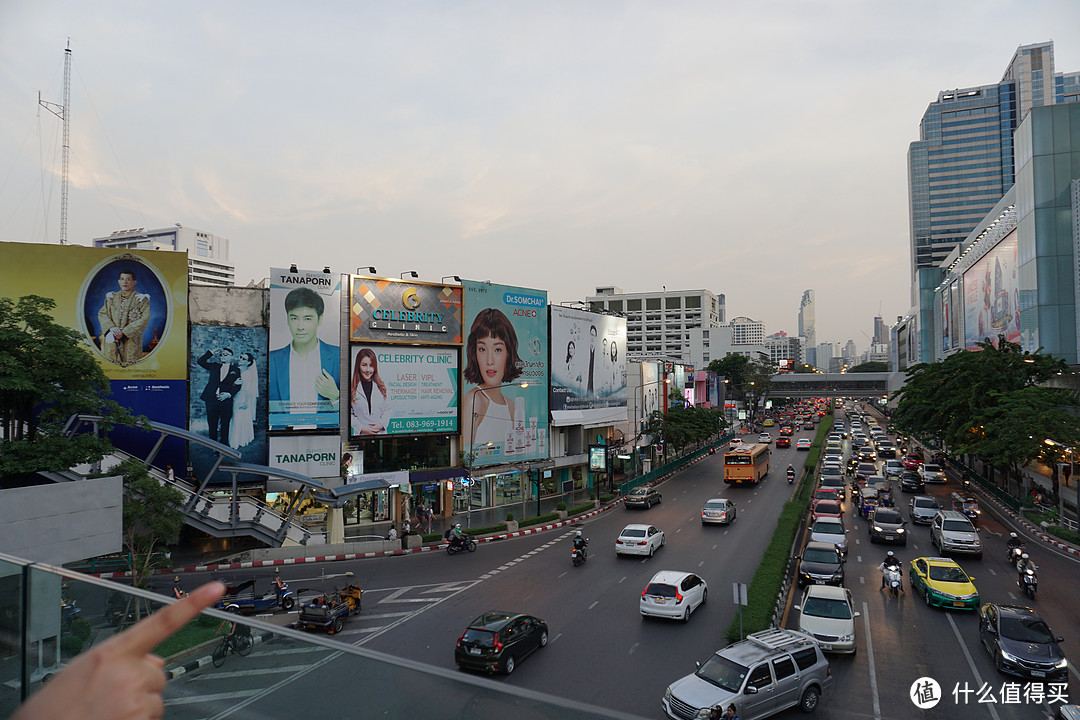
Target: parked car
{"x": 827, "y": 614}
{"x": 942, "y": 582}
{"x": 820, "y": 563}
{"x": 887, "y": 525}
{"x": 1021, "y": 643}
{"x": 830, "y": 530}
{"x": 911, "y": 481}
{"x": 643, "y": 497}
{"x": 923, "y": 509}
{"x": 951, "y": 531}
{"x": 637, "y": 539}
{"x": 497, "y": 641}
{"x": 719, "y": 511}
{"x": 673, "y": 594}
{"x": 788, "y": 665}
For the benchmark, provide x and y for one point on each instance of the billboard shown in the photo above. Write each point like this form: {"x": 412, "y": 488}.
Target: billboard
{"x": 396, "y": 389}
{"x": 505, "y": 348}
{"x": 588, "y": 366}
{"x": 397, "y": 311}
{"x": 314, "y": 456}
{"x": 304, "y": 360}
{"x": 130, "y": 307}
{"x": 991, "y": 295}
{"x": 228, "y": 393}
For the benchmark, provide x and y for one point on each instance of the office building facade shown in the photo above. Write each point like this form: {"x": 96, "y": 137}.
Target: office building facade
{"x": 660, "y": 324}
{"x": 208, "y": 255}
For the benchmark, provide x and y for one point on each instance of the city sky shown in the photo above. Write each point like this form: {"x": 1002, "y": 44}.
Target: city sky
{"x": 752, "y": 149}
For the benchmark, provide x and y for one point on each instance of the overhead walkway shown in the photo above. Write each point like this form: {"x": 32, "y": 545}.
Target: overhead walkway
{"x": 853, "y": 385}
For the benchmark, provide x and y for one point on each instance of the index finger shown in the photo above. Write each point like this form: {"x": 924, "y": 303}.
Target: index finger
{"x": 147, "y": 634}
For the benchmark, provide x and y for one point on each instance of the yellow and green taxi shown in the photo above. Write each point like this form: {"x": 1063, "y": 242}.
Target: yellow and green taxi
{"x": 768, "y": 422}
{"x": 944, "y": 583}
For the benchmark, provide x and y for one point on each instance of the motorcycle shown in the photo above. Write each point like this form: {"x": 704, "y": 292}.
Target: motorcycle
{"x": 579, "y": 555}
{"x": 1014, "y": 554}
{"x": 456, "y": 546}
{"x": 893, "y": 581}
{"x": 1030, "y": 581}
{"x": 790, "y": 476}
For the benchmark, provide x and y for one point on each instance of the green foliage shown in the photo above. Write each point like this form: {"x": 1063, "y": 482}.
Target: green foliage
{"x": 683, "y": 426}
{"x": 200, "y": 630}
{"x": 560, "y": 506}
{"x": 870, "y": 367}
{"x": 539, "y": 519}
{"x": 151, "y": 517}
{"x": 81, "y": 628}
{"x": 732, "y": 368}
{"x": 509, "y": 517}
{"x": 71, "y": 645}
{"x": 578, "y": 509}
{"x": 46, "y": 375}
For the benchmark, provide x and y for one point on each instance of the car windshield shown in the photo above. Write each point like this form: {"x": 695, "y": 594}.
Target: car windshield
{"x": 827, "y": 508}
{"x": 957, "y": 526}
{"x": 660, "y": 590}
{"x": 723, "y": 673}
{"x": 828, "y": 527}
{"x": 890, "y": 517}
{"x": 1026, "y": 630}
{"x": 946, "y": 573}
{"x": 633, "y": 532}
{"x": 639, "y": 492}
{"x": 484, "y": 638}
{"x": 826, "y": 608}
{"x": 820, "y": 556}
{"x": 931, "y": 468}
{"x": 925, "y": 503}
{"x": 716, "y": 505}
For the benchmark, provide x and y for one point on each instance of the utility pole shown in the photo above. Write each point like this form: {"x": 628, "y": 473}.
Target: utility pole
{"x": 63, "y": 112}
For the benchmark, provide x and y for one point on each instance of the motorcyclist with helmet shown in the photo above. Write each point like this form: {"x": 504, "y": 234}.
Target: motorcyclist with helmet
{"x": 1014, "y": 544}
{"x": 891, "y": 563}
{"x": 457, "y": 537}
{"x": 582, "y": 544}
{"x": 790, "y": 473}
{"x": 1024, "y": 564}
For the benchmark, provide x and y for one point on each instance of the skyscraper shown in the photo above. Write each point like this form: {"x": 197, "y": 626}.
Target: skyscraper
{"x": 806, "y": 326}
{"x": 962, "y": 163}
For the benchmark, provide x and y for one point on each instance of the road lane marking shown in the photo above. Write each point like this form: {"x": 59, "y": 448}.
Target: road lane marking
{"x": 247, "y": 673}
{"x": 595, "y": 603}
{"x": 870, "y": 662}
{"x": 633, "y": 648}
{"x": 623, "y": 580}
{"x": 991, "y": 571}
{"x": 971, "y": 663}
{"x": 211, "y": 698}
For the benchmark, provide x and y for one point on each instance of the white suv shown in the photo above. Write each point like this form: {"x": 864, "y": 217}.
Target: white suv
{"x": 951, "y": 531}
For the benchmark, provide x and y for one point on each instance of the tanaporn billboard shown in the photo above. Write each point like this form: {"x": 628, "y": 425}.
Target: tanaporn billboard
{"x": 991, "y": 295}
{"x": 387, "y": 310}
{"x": 304, "y": 360}
{"x": 398, "y": 389}
{"x": 588, "y": 367}
{"x": 506, "y": 346}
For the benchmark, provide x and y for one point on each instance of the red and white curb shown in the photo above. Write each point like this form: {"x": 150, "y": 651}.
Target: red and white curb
{"x": 1029, "y": 526}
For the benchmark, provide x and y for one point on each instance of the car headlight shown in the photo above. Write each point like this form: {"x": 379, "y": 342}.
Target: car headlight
{"x": 1062, "y": 664}
{"x": 847, "y": 638}
{"x": 1008, "y": 656}
{"x": 900, "y": 530}
{"x": 877, "y": 529}
{"x": 667, "y": 693}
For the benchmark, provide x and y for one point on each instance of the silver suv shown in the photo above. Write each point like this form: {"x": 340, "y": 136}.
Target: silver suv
{"x": 766, "y": 673}
{"x": 951, "y": 531}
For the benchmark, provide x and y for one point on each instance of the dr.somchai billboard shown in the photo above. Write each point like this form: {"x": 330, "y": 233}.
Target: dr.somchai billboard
{"x": 396, "y": 389}
{"x": 991, "y": 296}
{"x": 506, "y": 347}
{"x": 396, "y": 311}
{"x": 588, "y": 366}
{"x": 304, "y": 362}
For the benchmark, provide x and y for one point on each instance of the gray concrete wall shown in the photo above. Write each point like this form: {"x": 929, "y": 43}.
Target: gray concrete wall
{"x": 63, "y": 522}
{"x": 229, "y": 306}
{"x": 298, "y": 551}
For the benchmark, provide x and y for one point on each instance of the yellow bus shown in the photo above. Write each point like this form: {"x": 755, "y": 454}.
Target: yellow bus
{"x": 746, "y": 465}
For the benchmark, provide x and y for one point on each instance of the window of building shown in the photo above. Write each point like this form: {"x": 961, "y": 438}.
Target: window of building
{"x": 615, "y": 305}
{"x": 692, "y": 302}
{"x": 596, "y": 306}
{"x": 652, "y": 303}
{"x": 673, "y": 303}
{"x": 634, "y": 304}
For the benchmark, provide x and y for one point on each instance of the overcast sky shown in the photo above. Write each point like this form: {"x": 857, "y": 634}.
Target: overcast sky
{"x": 756, "y": 149}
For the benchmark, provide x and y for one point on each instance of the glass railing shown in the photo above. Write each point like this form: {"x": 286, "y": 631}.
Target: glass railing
{"x": 48, "y": 616}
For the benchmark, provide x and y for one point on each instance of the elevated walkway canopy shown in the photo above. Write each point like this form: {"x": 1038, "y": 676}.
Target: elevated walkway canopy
{"x": 842, "y": 385}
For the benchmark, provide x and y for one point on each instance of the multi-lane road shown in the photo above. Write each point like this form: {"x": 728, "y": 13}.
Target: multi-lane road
{"x": 603, "y": 653}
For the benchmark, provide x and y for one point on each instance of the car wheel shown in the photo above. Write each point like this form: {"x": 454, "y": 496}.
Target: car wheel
{"x": 659, "y": 499}
{"x": 686, "y": 614}
{"x": 926, "y": 596}
{"x": 704, "y": 595}
{"x": 337, "y": 627}
{"x": 809, "y": 701}
{"x": 509, "y": 664}
{"x": 543, "y": 638}
{"x": 651, "y": 550}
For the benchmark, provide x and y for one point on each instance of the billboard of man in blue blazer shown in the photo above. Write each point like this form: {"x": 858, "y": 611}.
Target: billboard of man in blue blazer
{"x": 303, "y": 375}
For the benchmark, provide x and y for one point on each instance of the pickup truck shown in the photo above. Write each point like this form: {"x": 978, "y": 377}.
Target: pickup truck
{"x": 328, "y": 611}
{"x": 932, "y": 473}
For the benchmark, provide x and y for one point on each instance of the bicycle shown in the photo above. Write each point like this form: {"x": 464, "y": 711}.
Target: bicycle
{"x": 235, "y": 643}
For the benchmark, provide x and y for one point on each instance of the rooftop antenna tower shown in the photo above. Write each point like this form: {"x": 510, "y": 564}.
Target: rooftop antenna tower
{"x": 63, "y": 112}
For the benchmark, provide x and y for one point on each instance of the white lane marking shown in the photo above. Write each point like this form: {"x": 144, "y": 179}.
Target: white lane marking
{"x": 211, "y": 698}
{"x": 701, "y": 563}
{"x": 971, "y": 663}
{"x": 633, "y": 648}
{"x": 678, "y": 530}
{"x": 555, "y": 638}
{"x": 623, "y": 580}
{"x": 862, "y": 580}
{"x": 247, "y": 673}
{"x": 563, "y": 574}
{"x": 870, "y": 662}
{"x": 595, "y": 603}
{"x": 396, "y": 598}
{"x": 716, "y": 546}
{"x": 991, "y": 571}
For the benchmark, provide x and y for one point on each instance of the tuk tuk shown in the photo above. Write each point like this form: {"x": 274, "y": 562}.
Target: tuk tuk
{"x": 968, "y": 505}
{"x": 867, "y": 501}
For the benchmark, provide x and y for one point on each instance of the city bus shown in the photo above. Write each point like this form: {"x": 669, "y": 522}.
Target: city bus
{"x": 747, "y": 465}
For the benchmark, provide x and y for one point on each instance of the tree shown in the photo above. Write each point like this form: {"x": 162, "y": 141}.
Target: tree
{"x": 46, "y": 376}
{"x": 683, "y": 426}
{"x": 803, "y": 369}
{"x": 733, "y": 368}
{"x": 868, "y": 367}
{"x": 152, "y": 517}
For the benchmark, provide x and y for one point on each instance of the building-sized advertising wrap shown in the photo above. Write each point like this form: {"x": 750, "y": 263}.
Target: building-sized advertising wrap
{"x": 130, "y": 307}
{"x": 991, "y": 295}
{"x": 506, "y": 346}
{"x": 398, "y": 389}
{"x": 395, "y": 311}
{"x": 951, "y": 315}
{"x": 588, "y": 367}
{"x": 304, "y": 362}
{"x": 227, "y": 402}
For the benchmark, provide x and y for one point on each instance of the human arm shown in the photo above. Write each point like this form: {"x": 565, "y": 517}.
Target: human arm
{"x": 204, "y": 360}
{"x": 327, "y": 387}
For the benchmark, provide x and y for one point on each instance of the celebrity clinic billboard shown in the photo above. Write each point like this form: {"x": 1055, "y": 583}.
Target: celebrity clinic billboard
{"x": 991, "y": 296}
{"x": 304, "y": 360}
{"x": 588, "y": 366}
{"x": 396, "y": 311}
{"x": 506, "y": 346}
{"x": 396, "y": 389}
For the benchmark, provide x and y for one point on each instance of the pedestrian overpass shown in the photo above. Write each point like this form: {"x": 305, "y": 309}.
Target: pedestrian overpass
{"x": 850, "y": 385}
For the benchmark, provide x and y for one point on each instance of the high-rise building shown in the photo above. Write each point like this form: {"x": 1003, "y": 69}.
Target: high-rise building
{"x": 806, "y": 326}
{"x": 785, "y": 351}
{"x": 659, "y": 324}
{"x": 962, "y": 164}
{"x": 208, "y": 255}
{"x": 881, "y": 333}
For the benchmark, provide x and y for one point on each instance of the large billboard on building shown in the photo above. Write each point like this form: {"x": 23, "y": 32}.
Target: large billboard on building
{"x": 388, "y": 310}
{"x": 991, "y": 295}
{"x": 314, "y": 456}
{"x": 304, "y": 361}
{"x": 588, "y": 366}
{"x": 228, "y": 394}
{"x": 506, "y": 347}
{"x": 397, "y": 389}
{"x": 951, "y": 316}
{"x": 130, "y": 307}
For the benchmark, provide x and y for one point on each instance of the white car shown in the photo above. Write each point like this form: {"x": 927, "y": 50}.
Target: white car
{"x": 718, "y": 510}
{"x": 894, "y": 468}
{"x": 830, "y": 530}
{"x": 827, "y": 615}
{"x": 673, "y": 594}
{"x": 932, "y": 473}
{"x": 638, "y": 539}
{"x": 803, "y": 444}
{"x": 765, "y": 438}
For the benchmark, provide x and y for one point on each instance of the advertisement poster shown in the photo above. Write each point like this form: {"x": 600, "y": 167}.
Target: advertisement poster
{"x": 130, "y": 307}
{"x": 388, "y": 310}
{"x": 588, "y": 365}
{"x": 396, "y": 389}
{"x": 227, "y": 402}
{"x": 304, "y": 362}
{"x": 991, "y": 296}
{"x": 506, "y": 346}
{"x": 315, "y": 456}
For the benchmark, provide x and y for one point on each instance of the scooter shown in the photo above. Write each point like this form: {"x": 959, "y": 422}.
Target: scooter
{"x": 1030, "y": 581}
{"x": 893, "y": 581}
{"x": 790, "y": 476}
{"x": 578, "y": 556}
{"x": 1014, "y": 554}
{"x": 466, "y": 543}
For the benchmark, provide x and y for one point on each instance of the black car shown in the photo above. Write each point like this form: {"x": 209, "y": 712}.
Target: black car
{"x": 887, "y": 525}
{"x": 886, "y": 449}
{"x": 642, "y": 497}
{"x": 498, "y": 641}
{"x": 911, "y": 481}
{"x": 866, "y": 454}
{"x": 1021, "y": 643}
{"x": 820, "y": 564}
